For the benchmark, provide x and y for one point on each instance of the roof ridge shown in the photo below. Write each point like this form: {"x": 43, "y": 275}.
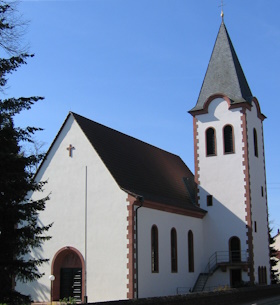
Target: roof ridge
{"x": 124, "y": 134}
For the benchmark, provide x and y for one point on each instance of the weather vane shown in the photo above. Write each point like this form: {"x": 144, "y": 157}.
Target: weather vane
{"x": 222, "y": 9}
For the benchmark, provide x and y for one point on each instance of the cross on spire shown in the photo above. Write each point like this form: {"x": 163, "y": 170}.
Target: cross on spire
{"x": 70, "y": 148}
{"x": 222, "y": 9}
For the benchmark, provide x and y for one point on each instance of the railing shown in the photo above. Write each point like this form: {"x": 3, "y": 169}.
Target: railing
{"x": 183, "y": 290}
{"x": 215, "y": 261}
{"x": 229, "y": 257}
{"x": 187, "y": 290}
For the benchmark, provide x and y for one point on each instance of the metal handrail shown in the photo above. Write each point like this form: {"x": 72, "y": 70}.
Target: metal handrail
{"x": 226, "y": 257}
{"x": 222, "y": 257}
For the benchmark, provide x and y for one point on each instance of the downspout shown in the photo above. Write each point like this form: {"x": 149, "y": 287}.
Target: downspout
{"x": 141, "y": 200}
{"x": 86, "y": 203}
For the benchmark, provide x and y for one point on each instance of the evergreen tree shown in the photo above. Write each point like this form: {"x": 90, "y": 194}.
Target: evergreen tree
{"x": 20, "y": 232}
{"x": 273, "y": 259}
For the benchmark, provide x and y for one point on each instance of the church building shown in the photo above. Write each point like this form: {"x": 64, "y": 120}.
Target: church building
{"x": 131, "y": 220}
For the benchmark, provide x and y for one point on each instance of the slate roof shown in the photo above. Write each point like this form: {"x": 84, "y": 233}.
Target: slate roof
{"x": 140, "y": 168}
{"x": 224, "y": 74}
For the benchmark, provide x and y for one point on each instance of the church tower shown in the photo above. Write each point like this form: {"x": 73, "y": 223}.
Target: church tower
{"x": 230, "y": 169}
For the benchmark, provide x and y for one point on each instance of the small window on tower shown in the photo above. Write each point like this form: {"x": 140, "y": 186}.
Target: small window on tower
{"x": 262, "y": 191}
{"x": 210, "y": 142}
{"x": 228, "y": 139}
{"x": 209, "y": 200}
{"x": 255, "y": 223}
{"x": 256, "y": 143}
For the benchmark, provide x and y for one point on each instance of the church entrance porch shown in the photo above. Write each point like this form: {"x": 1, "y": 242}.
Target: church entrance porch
{"x": 68, "y": 267}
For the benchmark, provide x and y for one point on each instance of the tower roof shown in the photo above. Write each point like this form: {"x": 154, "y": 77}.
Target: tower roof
{"x": 224, "y": 74}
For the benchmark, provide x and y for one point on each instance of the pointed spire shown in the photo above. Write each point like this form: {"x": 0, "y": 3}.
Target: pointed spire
{"x": 224, "y": 74}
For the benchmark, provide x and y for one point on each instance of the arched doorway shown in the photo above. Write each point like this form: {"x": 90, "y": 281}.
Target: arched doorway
{"x": 68, "y": 267}
{"x": 234, "y": 249}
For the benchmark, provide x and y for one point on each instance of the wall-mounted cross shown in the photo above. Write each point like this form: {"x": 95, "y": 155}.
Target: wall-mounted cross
{"x": 70, "y": 148}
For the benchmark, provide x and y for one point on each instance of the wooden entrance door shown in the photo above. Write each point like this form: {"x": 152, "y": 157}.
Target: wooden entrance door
{"x": 235, "y": 277}
{"x": 68, "y": 267}
{"x": 71, "y": 283}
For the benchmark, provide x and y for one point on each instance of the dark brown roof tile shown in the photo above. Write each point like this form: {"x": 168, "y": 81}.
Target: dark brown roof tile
{"x": 140, "y": 168}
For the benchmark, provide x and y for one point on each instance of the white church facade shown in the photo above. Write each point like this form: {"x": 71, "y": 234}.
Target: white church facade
{"x": 131, "y": 220}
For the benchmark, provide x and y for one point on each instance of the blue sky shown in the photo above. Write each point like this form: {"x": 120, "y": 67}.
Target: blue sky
{"x": 138, "y": 66}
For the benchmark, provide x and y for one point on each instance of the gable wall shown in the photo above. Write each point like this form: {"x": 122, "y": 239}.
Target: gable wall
{"x": 106, "y": 217}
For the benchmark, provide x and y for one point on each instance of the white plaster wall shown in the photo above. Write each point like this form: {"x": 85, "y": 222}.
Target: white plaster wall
{"x": 218, "y": 280}
{"x": 258, "y": 202}
{"x": 165, "y": 282}
{"x": 106, "y": 215}
{"x": 222, "y": 176}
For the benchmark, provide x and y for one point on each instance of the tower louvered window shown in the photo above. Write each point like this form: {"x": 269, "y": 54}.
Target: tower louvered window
{"x": 228, "y": 139}
{"x": 154, "y": 248}
{"x": 256, "y": 143}
{"x": 210, "y": 142}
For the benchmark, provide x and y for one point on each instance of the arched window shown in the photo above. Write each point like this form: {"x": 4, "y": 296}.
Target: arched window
{"x": 256, "y": 143}
{"x": 154, "y": 248}
{"x": 191, "y": 251}
{"x": 228, "y": 139}
{"x": 262, "y": 275}
{"x": 210, "y": 142}
{"x": 174, "y": 264}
